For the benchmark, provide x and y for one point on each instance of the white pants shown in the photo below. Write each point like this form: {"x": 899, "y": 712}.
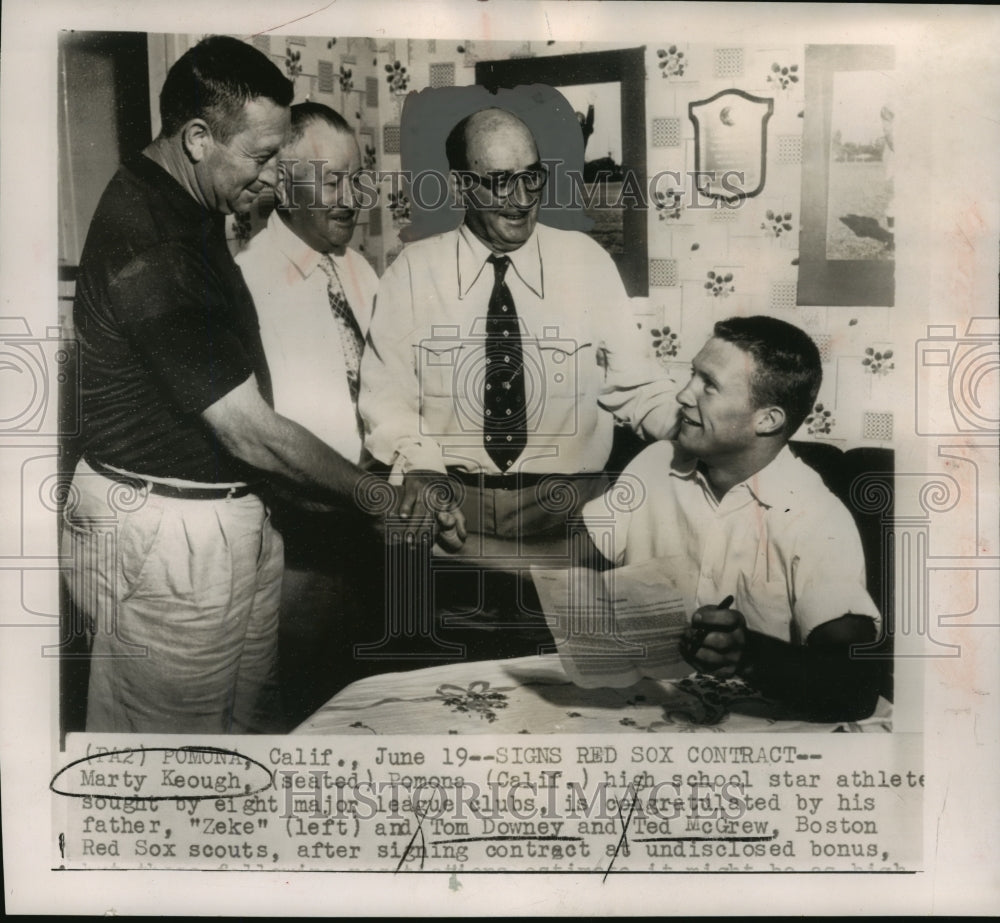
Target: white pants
{"x": 182, "y": 600}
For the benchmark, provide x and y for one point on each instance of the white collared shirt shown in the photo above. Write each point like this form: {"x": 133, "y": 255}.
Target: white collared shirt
{"x": 780, "y": 542}
{"x": 300, "y": 335}
{"x": 420, "y": 378}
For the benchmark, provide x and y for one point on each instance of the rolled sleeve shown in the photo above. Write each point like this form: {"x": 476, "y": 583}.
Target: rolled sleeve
{"x": 636, "y": 389}
{"x": 828, "y": 575}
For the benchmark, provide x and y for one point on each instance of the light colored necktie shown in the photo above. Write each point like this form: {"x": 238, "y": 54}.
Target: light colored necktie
{"x": 350, "y": 333}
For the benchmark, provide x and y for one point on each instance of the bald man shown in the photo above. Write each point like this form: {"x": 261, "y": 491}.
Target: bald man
{"x": 438, "y": 396}
{"x": 502, "y": 352}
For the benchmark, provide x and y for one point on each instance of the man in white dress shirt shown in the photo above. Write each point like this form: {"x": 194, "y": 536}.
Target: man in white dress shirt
{"x": 500, "y": 354}
{"x": 314, "y": 297}
{"x": 503, "y": 292}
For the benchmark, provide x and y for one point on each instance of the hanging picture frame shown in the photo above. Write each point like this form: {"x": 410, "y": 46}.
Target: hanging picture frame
{"x": 847, "y": 240}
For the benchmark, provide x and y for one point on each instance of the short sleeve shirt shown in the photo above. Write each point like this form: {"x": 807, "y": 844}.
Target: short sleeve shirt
{"x": 784, "y": 546}
{"x": 166, "y": 327}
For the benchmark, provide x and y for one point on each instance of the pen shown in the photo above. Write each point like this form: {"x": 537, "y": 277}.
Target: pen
{"x": 699, "y": 636}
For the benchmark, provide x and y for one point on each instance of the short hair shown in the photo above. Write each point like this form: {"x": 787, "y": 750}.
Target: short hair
{"x": 787, "y": 368}
{"x": 214, "y": 81}
{"x": 305, "y": 114}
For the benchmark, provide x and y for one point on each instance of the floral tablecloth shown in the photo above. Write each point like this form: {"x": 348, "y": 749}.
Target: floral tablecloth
{"x": 532, "y": 695}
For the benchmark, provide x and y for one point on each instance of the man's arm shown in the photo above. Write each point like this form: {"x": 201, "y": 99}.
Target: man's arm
{"x": 389, "y": 403}
{"x": 636, "y": 388}
{"x": 389, "y": 400}
{"x": 251, "y": 431}
{"x": 821, "y": 677}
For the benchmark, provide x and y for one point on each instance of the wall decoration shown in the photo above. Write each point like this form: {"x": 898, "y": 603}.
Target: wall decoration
{"x": 368, "y": 155}
{"x": 730, "y": 143}
{"x": 878, "y": 362}
{"x": 399, "y": 208}
{"x": 820, "y": 422}
{"x": 728, "y": 63}
{"x": 789, "y": 149}
{"x": 441, "y": 74}
{"x": 664, "y": 273}
{"x": 665, "y": 342}
{"x": 666, "y": 132}
{"x": 848, "y": 235}
{"x": 669, "y": 203}
{"x": 293, "y": 63}
{"x": 720, "y": 285}
{"x": 671, "y": 62}
{"x": 877, "y": 425}
{"x": 396, "y": 77}
{"x": 777, "y": 223}
{"x": 784, "y": 77}
{"x": 782, "y": 295}
{"x": 324, "y": 76}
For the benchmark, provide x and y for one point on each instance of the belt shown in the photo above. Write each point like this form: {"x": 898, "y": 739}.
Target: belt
{"x": 173, "y": 491}
{"x": 504, "y": 481}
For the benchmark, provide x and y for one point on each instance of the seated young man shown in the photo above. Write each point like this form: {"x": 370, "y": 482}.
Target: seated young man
{"x": 733, "y": 514}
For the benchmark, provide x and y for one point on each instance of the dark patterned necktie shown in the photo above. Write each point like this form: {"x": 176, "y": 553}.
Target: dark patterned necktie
{"x": 505, "y": 424}
{"x": 351, "y": 339}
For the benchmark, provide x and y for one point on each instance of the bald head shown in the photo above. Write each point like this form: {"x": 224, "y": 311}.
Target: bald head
{"x": 487, "y": 136}
{"x": 495, "y": 169}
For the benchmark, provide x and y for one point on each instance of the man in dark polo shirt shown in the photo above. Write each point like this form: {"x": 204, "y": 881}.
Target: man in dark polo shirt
{"x": 178, "y": 431}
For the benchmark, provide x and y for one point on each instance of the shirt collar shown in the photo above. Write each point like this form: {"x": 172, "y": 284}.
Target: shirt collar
{"x": 299, "y": 253}
{"x": 526, "y": 261}
{"x": 775, "y": 484}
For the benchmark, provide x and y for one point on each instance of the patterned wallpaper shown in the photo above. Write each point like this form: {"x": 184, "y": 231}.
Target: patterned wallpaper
{"x": 704, "y": 264}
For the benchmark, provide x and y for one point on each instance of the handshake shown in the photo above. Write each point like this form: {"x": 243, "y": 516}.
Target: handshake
{"x": 429, "y": 502}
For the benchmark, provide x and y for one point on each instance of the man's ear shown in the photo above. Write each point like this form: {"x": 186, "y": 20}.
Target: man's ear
{"x": 281, "y": 184}
{"x": 196, "y": 138}
{"x": 770, "y": 421}
{"x": 461, "y": 182}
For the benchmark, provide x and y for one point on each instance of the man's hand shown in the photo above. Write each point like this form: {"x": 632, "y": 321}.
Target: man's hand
{"x": 430, "y": 501}
{"x": 716, "y": 640}
{"x": 451, "y": 529}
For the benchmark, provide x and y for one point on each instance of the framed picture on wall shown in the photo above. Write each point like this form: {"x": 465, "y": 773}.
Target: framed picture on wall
{"x": 847, "y": 242}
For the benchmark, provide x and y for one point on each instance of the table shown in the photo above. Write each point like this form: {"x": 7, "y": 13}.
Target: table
{"x": 532, "y": 695}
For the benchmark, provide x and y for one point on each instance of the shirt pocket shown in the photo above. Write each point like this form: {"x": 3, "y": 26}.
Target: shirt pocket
{"x": 566, "y": 366}
{"x": 444, "y": 366}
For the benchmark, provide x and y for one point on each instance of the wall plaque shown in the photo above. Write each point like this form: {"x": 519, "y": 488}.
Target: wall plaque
{"x": 730, "y": 143}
